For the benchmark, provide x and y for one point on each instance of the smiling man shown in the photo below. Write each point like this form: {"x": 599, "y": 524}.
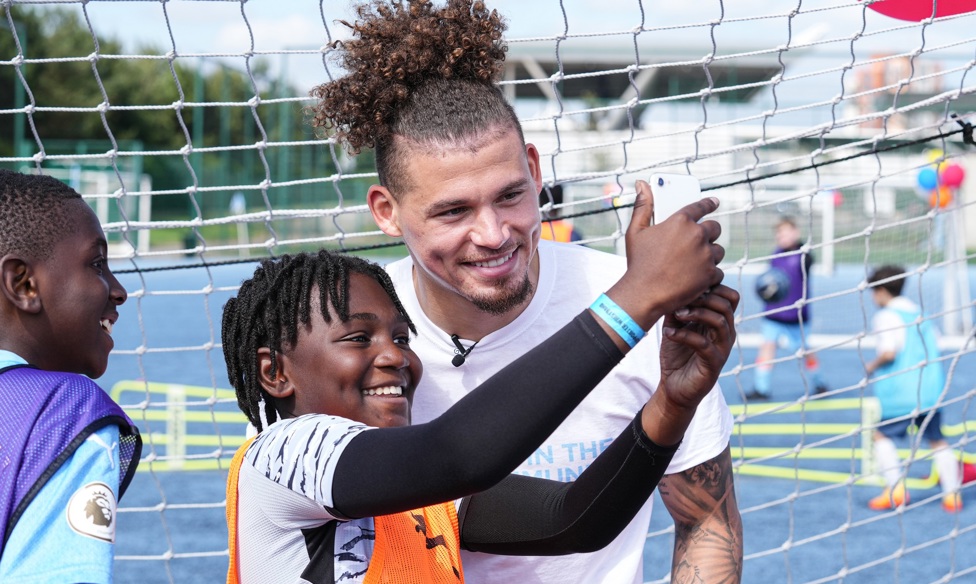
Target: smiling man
{"x": 468, "y": 216}
{"x": 459, "y": 184}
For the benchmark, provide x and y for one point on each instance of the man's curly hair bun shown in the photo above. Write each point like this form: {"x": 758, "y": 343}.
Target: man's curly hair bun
{"x": 398, "y": 46}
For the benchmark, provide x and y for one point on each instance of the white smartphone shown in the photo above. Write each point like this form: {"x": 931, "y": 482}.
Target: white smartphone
{"x": 672, "y": 192}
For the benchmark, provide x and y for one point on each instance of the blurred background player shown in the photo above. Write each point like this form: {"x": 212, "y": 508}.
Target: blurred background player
{"x": 785, "y": 325}
{"x": 554, "y": 228}
{"x": 67, "y": 451}
{"x": 908, "y": 394}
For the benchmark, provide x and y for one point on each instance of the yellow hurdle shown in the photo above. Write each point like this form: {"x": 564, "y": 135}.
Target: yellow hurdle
{"x": 151, "y": 404}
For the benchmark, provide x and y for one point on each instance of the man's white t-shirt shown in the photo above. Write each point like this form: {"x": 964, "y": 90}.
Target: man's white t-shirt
{"x": 571, "y": 277}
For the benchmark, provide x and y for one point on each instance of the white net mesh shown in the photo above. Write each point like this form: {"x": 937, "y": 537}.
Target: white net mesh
{"x": 182, "y": 124}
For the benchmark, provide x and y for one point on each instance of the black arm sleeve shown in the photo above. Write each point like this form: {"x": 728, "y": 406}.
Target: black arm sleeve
{"x": 482, "y": 437}
{"x": 530, "y": 516}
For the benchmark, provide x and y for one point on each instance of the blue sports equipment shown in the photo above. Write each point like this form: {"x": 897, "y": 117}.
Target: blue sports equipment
{"x": 773, "y": 285}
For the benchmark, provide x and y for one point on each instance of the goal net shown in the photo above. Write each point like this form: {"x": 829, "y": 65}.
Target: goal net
{"x": 181, "y": 122}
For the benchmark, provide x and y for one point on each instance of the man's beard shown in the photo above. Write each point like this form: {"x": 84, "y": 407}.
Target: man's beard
{"x": 497, "y": 305}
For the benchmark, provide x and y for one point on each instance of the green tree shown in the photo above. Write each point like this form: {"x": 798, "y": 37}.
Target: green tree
{"x": 80, "y": 71}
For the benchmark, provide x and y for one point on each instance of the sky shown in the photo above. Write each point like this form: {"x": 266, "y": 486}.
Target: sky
{"x": 231, "y": 28}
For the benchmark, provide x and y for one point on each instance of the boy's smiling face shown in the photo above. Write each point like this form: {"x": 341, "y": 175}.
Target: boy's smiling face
{"x": 79, "y": 299}
{"x": 361, "y": 369}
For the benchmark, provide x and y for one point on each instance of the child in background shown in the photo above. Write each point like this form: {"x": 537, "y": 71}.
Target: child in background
{"x": 67, "y": 451}
{"x": 908, "y": 393}
{"x": 323, "y": 495}
{"x": 787, "y": 326}
{"x": 554, "y": 227}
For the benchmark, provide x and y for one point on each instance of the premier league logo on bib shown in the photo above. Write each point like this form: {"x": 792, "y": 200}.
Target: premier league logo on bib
{"x": 91, "y": 512}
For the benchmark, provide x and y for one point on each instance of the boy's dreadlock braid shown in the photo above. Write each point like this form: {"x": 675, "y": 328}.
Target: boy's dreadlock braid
{"x": 269, "y": 308}
{"x": 251, "y": 320}
{"x": 241, "y": 328}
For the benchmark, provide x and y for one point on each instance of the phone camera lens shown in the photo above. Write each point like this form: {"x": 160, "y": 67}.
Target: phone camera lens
{"x": 660, "y": 181}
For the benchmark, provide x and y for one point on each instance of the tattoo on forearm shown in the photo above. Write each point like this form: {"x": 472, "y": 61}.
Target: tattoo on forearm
{"x": 708, "y": 528}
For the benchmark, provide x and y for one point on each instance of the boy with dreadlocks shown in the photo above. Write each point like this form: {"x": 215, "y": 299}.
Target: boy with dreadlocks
{"x": 340, "y": 488}
{"x": 67, "y": 451}
{"x": 459, "y": 184}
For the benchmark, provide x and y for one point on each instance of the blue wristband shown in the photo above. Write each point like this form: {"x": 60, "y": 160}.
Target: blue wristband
{"x": 618, "y": 320}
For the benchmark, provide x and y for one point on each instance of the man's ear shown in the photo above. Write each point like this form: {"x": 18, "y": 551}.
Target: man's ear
{"x": 277, "y": 386}
{"x": 18, "y": 283}
{"x": 384, "y": 209}
{"x": 535, "y": 167}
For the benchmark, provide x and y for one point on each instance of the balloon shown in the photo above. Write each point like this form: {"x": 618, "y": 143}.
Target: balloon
{"x": 968, "y": 472}
{"x": 942, "y": 199}
{"x": 835, "y": 197}
{"x": 953, "y": 175}
{"x": 611, "y": 195}
{"x": 937, "y": 158}
{"x": 919, "y": 10}
{"x": 928, "y": 178}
